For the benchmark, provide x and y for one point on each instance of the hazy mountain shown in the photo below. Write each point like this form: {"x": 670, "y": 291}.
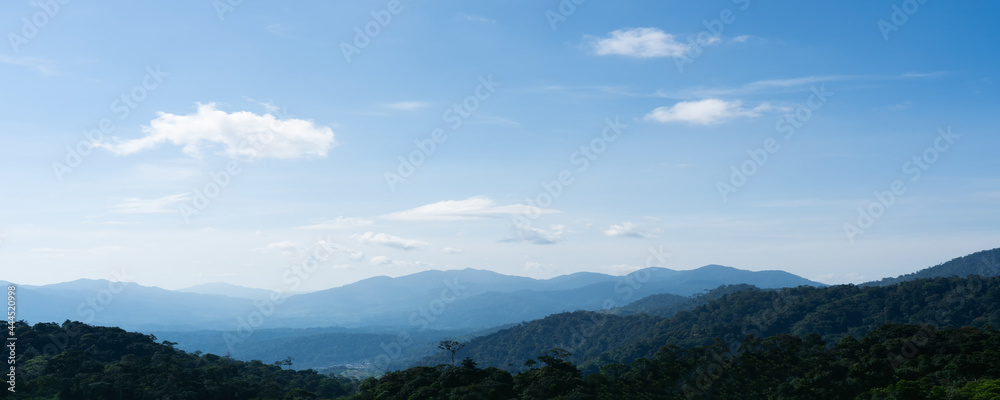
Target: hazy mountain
{"x": 127, "y": 305}
{"x": 466, "y": 299}
{"x": 983, "y": 263}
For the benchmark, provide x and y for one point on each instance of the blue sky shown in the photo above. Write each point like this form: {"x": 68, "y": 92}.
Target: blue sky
{"x": 643, "y": 110}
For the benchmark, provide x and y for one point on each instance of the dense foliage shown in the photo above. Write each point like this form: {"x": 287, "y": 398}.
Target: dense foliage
{"x": 78, "y": 361}
{"x": 983, "y": 263}
{"x": 894, "y": 362}
{"x": 833, "y": 312}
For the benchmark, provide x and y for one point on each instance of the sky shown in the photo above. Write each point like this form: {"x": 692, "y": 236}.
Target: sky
{"x": 186, "y": 142}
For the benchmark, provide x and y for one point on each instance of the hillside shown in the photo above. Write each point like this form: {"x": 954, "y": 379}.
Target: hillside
{"x": 82, "y": 362}
{"x": 983, "y": 263}
{"x": 893, "y": 362}
{"x": 831, "y": 312}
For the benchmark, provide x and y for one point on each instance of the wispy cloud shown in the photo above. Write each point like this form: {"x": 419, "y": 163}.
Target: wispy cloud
{"x": 407, "y": 105}
{"x": 337, "y": 223}
{"x": 803, "y": 83}
{"x": 240, "y": 134}
{"x": 43, "y": 66}
{"x": 280, "y": 30}
{"x": 476, "y": 18}
{"x": 901, "y": 106}
{"x": 384, "y": 239}
{"x": 524, "y": 232}
{"x": 286, "y": 248}
{"x": 473, "y": 208}
{"x": 135, "y": 205}
{"x": 451, "y": 250}
{"x": 55, "y": 252}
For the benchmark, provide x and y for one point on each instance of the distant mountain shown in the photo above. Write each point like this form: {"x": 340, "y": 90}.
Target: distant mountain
{"x": 475, "y": 299}
{"x": 464, "y": 300}
{"x": 983, "y": 263}
{"x": 230, "y": 290}
{"x": 127, "y": 305}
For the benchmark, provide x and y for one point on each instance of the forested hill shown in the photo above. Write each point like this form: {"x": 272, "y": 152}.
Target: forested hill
{"x": 983, "y": 263}
{"x": 77, "y": 361}
{"x": 585, "y": 334}
{"x": 597, "y": 339}
{"x": 832, "y": 313}
{"x": 905, "y": 362}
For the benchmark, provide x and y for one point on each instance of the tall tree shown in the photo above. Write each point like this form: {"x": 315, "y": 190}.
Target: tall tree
{"x": 452, "y": 347}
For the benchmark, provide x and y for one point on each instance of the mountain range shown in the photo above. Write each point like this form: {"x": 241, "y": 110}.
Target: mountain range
{"x": 468, "y": 299}
{"x": 357, "y": 323}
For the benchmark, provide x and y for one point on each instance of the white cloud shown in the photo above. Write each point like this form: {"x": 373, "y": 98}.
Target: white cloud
{"x": 135, "y": 205}
{"x": 703, "y": 112}
{"x": 337, "y": 223}
{"x": 628, "y": 229}
{"x": 241, "y": 135}
{"x": 407, "y": 105}
{"x": 640, "y": 43}
{"x": 527, "y": 233}
{"x": 473, "y": 208}
{"x": 451, "y": 250}
{"x": 383, "y": 260}
{"x": 740, "y": 39}
{"x": 388, "y": 240}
